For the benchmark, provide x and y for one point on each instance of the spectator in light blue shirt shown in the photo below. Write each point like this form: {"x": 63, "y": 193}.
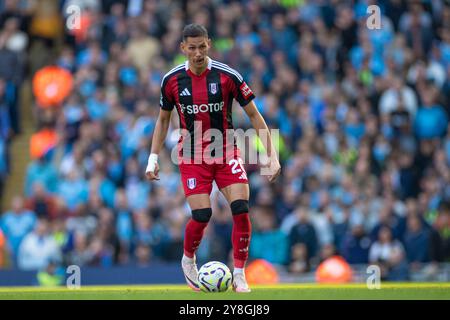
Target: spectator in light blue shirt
{"x": 431, "y": 119}
{"x": 134, "y": 129}
{"x": 92, "y": 55}
{"x": 96, "y": 106}
{"x": 73, "y": 190}
{"x": 268, "y": 242}
{"x": 104, "y": 187}
{"x": 354, "y": 128}
{"x": 137, "y": 192}
{"x": 43, "y": 171}
{"x": 246, "y": 35}
{"x": 124, "y": 221}
{"x": 17, "y": 223}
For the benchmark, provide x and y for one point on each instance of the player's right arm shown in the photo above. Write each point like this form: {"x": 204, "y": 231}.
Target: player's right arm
{"x": 159, "y": 136}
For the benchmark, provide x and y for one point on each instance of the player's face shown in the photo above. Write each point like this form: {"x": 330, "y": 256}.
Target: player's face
{"x": 196, "y": 49}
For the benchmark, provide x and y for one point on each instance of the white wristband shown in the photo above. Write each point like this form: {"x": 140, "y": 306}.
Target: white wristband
{"x": 152, "y": 160}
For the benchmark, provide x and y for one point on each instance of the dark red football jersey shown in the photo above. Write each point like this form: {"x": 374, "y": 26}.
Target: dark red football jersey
{"x": 204, "y": 99}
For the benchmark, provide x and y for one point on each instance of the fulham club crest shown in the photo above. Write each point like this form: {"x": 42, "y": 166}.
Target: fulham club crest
{"x": 191, "y": 183}
{"x": 213, "y": 88}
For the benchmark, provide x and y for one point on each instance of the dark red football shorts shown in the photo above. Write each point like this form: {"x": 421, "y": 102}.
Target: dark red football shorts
{"x": 198, "y": 178}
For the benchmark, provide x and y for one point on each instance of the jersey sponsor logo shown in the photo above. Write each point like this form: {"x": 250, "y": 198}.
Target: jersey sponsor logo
{"x": 213, "y": 88}
{"x": 195, "y": 108}
{"x": 185, "y": 92}
{"x": 191, "y": 183}
{"x": 245, "y": 90}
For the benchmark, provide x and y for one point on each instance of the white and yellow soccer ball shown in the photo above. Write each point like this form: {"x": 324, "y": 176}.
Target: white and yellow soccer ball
{"x": 214, "y": 276}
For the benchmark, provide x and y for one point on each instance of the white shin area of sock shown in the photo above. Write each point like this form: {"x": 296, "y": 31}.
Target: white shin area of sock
{"x": 238, "y": 270}
{"x": 186, "y": 259}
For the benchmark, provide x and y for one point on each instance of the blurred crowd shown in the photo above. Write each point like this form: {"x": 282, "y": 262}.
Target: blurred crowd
{"x": 13, "y": 42}
{"x": 364, "y": 135}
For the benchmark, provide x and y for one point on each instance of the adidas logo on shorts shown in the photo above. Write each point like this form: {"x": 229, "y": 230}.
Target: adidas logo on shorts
{"x": 243, "y": 176}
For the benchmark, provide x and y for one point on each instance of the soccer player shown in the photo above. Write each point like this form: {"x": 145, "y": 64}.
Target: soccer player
{"x": 202, "y": 91}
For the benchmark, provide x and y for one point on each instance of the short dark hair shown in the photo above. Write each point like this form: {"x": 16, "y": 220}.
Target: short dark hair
{"x": 194, "y": 30}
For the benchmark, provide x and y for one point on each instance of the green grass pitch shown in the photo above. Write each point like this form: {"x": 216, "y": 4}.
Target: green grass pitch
{"x": 397, "y": 291}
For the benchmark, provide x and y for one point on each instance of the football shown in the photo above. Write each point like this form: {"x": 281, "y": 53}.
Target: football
{"x": 214, "y": 276}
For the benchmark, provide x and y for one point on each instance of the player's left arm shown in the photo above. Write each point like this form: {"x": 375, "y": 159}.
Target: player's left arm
{"x": 263, "y": 132}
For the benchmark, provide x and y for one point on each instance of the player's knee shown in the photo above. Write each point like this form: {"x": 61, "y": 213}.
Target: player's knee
{"x": 202, "y": 215}
{"x": 239, "y": 206}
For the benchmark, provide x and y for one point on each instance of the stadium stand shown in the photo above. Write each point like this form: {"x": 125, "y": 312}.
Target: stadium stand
{"x": 363, "y": 119}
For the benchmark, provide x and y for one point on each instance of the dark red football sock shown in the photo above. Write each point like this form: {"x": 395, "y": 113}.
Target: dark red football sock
{"x": 193, "y": 236}
{"x": 240, "y": 235}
